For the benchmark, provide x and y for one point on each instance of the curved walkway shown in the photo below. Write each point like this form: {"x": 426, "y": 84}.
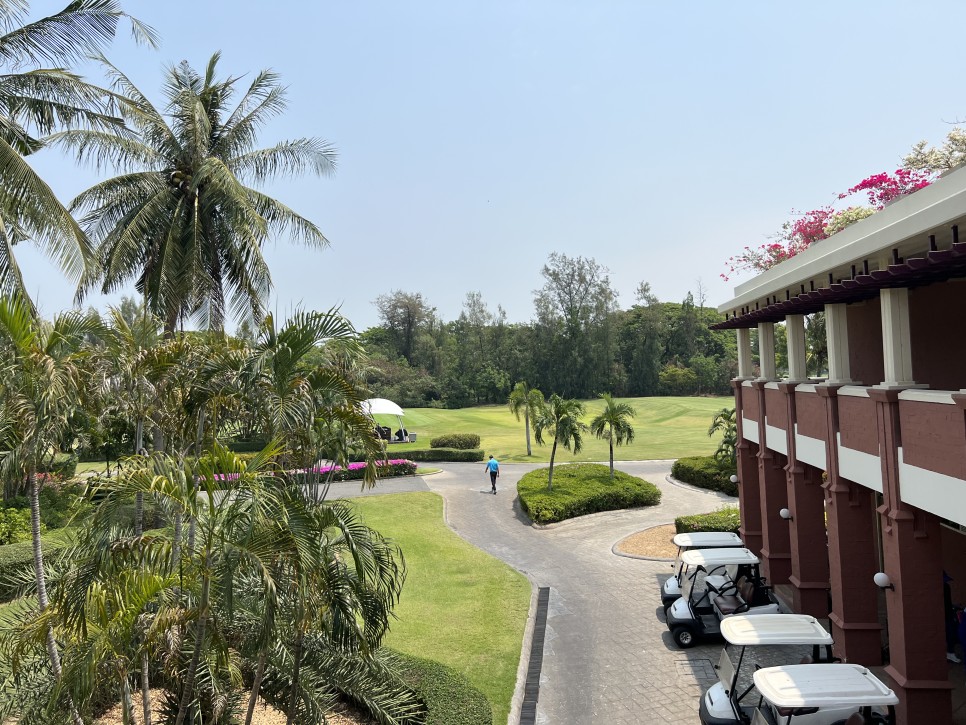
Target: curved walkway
{"x": 608, "y": 656}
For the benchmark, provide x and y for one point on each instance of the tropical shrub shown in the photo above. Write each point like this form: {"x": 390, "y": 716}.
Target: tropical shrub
{"x": 356, "y": 471}
{"x": 706, "y": 472}
{"x": 58, "y": 502}
{"x": 17, "y": 560}
{"x": 581, "y": 489}
{"x": 451, "y": 455}
{"x": 724, "y": 519}
{"x": 449, "y": 697}
{"x": 676, "y": 380}
{"x": 64, "y": 466}
{"x": 15, "y": 526}
{"x": 461, "y": 441}
{"x": 726, "y": 422}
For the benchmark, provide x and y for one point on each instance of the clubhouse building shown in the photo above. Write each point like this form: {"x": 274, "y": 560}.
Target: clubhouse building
{"x": 853, "y": 487}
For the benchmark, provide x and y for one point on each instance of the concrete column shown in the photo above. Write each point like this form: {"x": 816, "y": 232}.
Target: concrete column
{"x": 837, "y": 339}
{"x": 912, "y": 554}
{"x": 853, "y": 554}
{"x": 795, "y": 332}
{"x": 745, "y": 366}
{"x": 766, "y": 350}
{"x": 896, "y": 340}
{"x": 749, "y": 500}
{"x": 806, "y": 501}
{"x": 773, "y": 497}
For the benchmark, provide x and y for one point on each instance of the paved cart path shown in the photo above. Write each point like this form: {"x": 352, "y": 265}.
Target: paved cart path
{"x": 608, "y": 657}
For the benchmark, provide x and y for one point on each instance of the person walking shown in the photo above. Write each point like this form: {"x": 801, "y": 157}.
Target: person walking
{"x": 493, "y": 466}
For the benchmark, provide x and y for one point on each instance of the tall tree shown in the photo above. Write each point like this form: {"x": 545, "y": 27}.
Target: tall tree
{"x": 613, "y": 424}
{"x": 36, "y": 102}
{"x": 574, "y": 309}
{"x": 406, "y": 316}
{"x": 527, "y": 401}
{"x": 179, "y": 218}
{"x": 40, "y": 385}
{"x": 559, "y": 418}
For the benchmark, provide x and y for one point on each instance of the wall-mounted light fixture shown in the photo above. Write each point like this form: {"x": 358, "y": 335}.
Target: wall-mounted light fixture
{"x": 785, "y": 514}
{"x": 883, "y": 581}
{"x": 734, "y": 478}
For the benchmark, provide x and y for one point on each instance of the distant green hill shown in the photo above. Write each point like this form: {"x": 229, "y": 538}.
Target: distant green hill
{"x": 663, "y": 428}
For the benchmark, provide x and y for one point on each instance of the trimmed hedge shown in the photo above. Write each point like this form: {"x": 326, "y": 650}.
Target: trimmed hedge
{"x": 452, "y": 455}
{"x": 724, "y": 519}
{"x": 580, "y": 489}
{"x": 706, "y": 472}
{"x": 449, "y": 697}
{"x": 461, "y": 441}
{"x": 19, "y": 556}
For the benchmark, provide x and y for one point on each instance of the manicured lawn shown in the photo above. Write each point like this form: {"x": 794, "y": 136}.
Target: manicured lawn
{"x": 663, "y": 427}
{"x": 460, "y": 606}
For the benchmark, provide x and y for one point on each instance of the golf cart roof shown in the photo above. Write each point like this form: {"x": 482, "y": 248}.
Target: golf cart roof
{"x": 747, "y": 630}
{"x": 822, "y": 685}
{"x": 718, "y": 557}
{"x": 706, "y": 539}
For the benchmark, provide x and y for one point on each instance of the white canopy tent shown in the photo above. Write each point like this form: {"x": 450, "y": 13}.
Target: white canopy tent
{"x": 382, "y": 406}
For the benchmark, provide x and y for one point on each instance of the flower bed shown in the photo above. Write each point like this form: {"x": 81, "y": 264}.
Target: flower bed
{"x": 352, "y": 472}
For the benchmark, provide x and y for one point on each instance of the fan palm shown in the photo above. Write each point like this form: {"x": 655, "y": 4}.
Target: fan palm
{"x": 179, "y": 217}
{"x": 560, "y": 418}
{"x": 36, "y": 102}
{"x": 612, "y": 423}
{"x": 527, "y": 401}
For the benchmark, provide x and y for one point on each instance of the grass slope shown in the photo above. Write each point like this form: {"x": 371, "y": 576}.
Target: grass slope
{"x": 460, "y": 606}
{"x": 663, "y": 428}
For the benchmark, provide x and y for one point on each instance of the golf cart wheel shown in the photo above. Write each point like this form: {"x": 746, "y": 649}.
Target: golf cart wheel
{"x": 683, "y": 637}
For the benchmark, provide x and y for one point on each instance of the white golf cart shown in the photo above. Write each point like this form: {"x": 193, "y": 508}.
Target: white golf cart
{"x": 829, "y": 694}
{"x": 722, "y": 703}
{"x": 695, "y": 540}
{"x": 699, "y": 610}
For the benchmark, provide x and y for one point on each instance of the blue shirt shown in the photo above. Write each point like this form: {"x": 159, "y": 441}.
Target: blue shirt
{"x": 493, "y": 465}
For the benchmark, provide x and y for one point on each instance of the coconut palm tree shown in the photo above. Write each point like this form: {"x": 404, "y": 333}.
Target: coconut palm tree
{"x": 612, "y": 423}
{"x": 38, "y": 96}
{"x": 527, "y": 401}
{"x": 560, "y": 419}
{"x": 39, "y": 388}
{"x": 179, "y": 218}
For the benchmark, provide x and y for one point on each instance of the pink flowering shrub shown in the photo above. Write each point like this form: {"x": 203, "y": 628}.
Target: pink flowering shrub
{"x": 797, "y": 235}
{"x": 883, "y": 188}
{"x": 352, "y": 472}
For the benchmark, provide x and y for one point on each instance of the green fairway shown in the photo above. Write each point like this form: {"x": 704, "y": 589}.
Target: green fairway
{"x": 460, "y": 606}
{"x": 663, "y": 428}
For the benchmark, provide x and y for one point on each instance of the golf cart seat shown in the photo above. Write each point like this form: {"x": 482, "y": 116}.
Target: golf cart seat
{"x": 856, "y": 718}
{"x": 731, "y": 603}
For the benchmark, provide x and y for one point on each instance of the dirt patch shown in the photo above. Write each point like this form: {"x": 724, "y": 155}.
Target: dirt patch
{"x": 655, "y": 542}
{"x": 264, "y": 714}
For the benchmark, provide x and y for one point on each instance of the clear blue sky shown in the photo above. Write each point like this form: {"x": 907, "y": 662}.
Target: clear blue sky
{"x": 475, "y": 138}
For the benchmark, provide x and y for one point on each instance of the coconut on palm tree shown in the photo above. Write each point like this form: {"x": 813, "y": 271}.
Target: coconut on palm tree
{"x": 38, "y": 96}
{"x": 559, "y": 418}
{"x": 527, "y": 401}
{"x": 612, "y": 423}
{"x": 184, "y": 218}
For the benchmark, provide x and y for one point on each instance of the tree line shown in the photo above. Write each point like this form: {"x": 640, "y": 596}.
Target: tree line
{"x": 578, "y": 344}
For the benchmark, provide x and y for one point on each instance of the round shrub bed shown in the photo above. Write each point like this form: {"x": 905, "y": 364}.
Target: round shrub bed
{"x": 706, "y": 472}
{"x": 449, "y": 697}
{"x": 580, "y": 489}
{"x": 724, "y": 519}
